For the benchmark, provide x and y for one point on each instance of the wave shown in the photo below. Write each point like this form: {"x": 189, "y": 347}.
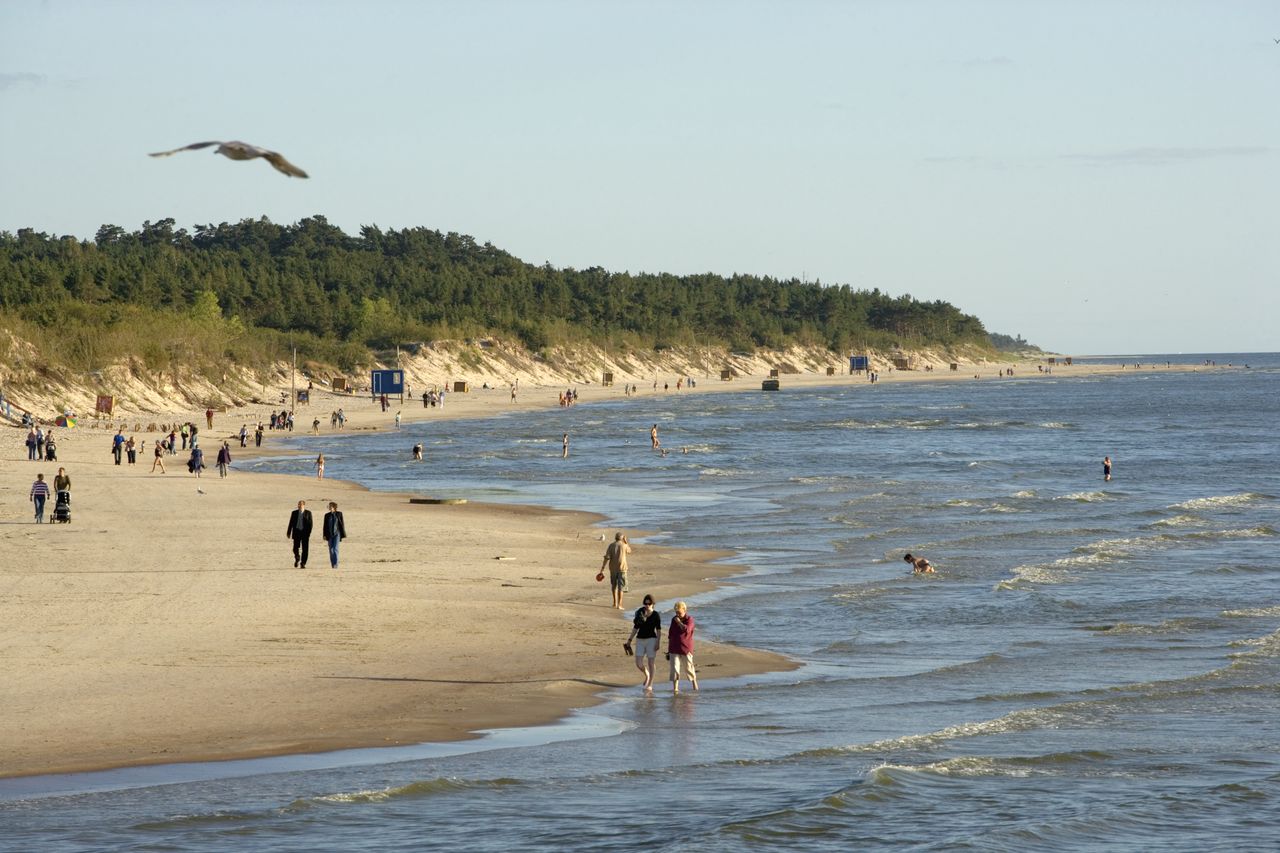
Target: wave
{"x": 1023, "y": 578}
{"x": 1177, "y": 521}
{"x": 423, "y": 788}
{"x": 895, "y": 423}
{"x": 1260, "y": 532}
{"x": 1168, "y": 626}
{"x": 1022, "y": 720}
{"x": 413, "y": 790}
{"x": 718, "y": 472}
{"x": 974, "y": 766}
{"x": 1223, "y": 501}
{"x": 1056, "y": 425}
{"x": 1057, "y": 572}
{"x": 1252, "y": 612}
{"x": 1025, "y": 493}
{"x": 1084, "y": 497}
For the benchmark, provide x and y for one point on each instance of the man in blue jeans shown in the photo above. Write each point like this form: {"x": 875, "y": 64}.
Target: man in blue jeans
{"x": 334, "y": 531}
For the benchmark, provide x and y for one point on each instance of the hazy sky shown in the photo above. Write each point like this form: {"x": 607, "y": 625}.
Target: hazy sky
{"x": 1097, "y": 176}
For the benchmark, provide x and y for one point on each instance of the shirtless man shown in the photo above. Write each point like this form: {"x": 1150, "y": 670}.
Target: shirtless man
{"x": 919, "y": 565}
{"x": 1106, "y": 468}
{"x": 615, "y": 559}
{"x": 653, "y": 437}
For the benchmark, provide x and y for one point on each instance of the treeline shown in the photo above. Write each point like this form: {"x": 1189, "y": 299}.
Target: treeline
{"x": 340, "y": 294}
{"x": 1005, "y": 343}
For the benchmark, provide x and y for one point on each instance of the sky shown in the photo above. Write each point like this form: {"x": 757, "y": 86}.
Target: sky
{"x": 1099, "y": 177}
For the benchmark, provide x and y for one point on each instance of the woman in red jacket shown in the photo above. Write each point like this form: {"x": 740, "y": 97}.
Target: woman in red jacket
{"x": 680, "y": 648}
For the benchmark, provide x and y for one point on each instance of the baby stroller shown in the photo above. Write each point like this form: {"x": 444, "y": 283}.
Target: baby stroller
{"x": 62, "y": 509}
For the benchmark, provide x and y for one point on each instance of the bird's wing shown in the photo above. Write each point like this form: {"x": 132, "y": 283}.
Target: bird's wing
{"x": 283, "y": 165}
{"x": 192, "y": 147}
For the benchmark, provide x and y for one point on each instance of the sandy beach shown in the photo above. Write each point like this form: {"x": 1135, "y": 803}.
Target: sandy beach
{"x": 167, "y": 622}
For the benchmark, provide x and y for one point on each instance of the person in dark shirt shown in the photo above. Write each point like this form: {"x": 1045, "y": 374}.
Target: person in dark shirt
{"x": 334, "y": 531}
{"x": 299, "y": 531}
{"x": 647, "y": 628}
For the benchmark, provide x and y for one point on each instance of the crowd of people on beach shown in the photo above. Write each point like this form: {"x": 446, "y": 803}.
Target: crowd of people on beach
{"x": 644, "y": 639}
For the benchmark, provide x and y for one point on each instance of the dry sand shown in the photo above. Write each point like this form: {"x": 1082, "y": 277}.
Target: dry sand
{"x": 166, "y": 625}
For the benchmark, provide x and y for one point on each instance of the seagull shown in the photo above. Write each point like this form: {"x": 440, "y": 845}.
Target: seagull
{"x": 242, "y": 151}
{"x": 199, "y": 490}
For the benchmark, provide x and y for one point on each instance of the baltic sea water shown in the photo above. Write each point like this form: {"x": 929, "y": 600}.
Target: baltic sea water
{"x": 1094, "y": 666}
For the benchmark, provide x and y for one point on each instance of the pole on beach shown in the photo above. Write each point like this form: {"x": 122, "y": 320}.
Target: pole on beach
{"x": 293, "y": 382}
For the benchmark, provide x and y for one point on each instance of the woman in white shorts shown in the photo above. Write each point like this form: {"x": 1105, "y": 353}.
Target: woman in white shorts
{"x": 647, "y": 628}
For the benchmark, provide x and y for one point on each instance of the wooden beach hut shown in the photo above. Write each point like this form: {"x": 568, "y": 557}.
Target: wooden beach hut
{"x": 461, "y": 387}
{"x": 606, "y": 378}
{"x": 726, "y": 374}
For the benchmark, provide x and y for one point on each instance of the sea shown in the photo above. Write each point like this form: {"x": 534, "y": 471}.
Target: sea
{"x": 1094, "y": 665}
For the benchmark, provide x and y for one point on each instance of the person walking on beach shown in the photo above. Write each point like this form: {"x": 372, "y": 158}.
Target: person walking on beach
{"x": 117, "y": 445}
{"x": 397, "y": 420}
{"x": 224, "y": 459}
{"x": 919, "y": 565}
{"x": 62, "y": 481}
{"x": 31, "y": 446}
{"x": 653, "y": 437}
{"x": 646, "y": 630}
{"x": 244, "y": 434}
{"x": 680, "y": 648}
{"x": 299, "y": 531}
{"x": 159, "y": 460}
{"x": 320, "y": 467}
{"x": 195, "y": 464}
{"x": 615, "y": 558}
{"x": 39, "y": 494}
{"x": 334, "y": 531}
{"x": 1106, "y": 469}
{"x": 257, "y": 435}
{"x": 131, "y": 450}
{"x": 565, "y": 442}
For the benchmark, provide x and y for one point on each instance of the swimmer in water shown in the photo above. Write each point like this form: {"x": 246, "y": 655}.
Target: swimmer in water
{"x": 919, "y": 565}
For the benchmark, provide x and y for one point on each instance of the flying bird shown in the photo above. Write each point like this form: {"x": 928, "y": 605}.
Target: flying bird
{"x": 242, "y": 151}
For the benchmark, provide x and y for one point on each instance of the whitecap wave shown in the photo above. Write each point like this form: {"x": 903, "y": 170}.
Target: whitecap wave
{"x": 1177, "y": 521}
{"x": 1084, "y": 497}
{"x": 1221, "y": 501}
{"x": 1253, "y": 612}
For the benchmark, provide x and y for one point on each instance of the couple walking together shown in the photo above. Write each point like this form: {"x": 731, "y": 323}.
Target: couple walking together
{"x": 334, "y": 531}
{"x": 646, "y": 633}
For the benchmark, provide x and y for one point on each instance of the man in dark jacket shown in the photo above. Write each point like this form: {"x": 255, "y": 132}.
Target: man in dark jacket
{"x": 300, "y": 532}
{"x": 334, "y": 532}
